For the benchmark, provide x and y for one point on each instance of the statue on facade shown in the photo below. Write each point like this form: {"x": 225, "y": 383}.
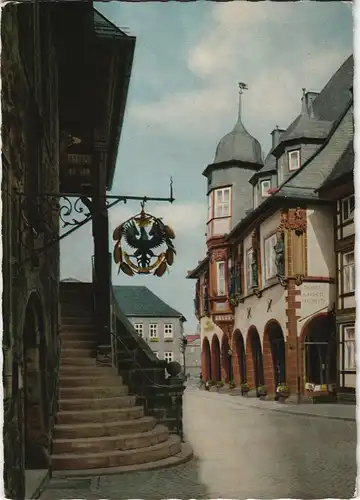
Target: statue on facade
{"x": 254, "y": 270}
{"x": 280, "y": 254}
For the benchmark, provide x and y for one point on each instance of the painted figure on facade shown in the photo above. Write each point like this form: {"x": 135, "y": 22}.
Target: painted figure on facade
{"x": 280, "y": 254}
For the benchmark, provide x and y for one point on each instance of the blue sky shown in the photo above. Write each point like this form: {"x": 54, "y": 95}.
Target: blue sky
{"x": 183, "y": 99}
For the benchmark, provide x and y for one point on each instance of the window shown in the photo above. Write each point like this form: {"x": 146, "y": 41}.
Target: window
{"x": 280, "y": 170}
{"x": 153, "y": 332}
{"x": 220, "y": 278}
{"x": 348, "y": 207}
{"x": 265, "y": 185}
{"x": 349, "y": 272}
{"x": 222, "y": 202}
{"x": 256, "y": 198}
{"x": 249, "y": 274}
{"x": 169, "y": 356}
{"x": 210, "y": 205}
{"x": 168, "y": 331}
{"x": 139, "y": 327}
{"x": 192, "y": 350}
{"x": 349, "y": 348}
{"x": 269, "y": 257}
{"x": 156, "y": 353}
{"x": 294, "y": 160}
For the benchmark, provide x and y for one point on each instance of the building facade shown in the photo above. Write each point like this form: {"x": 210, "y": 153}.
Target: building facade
{"x": 156, "y": 322}
{"x": 192, "y": 361}
{"x": 267, "y": 292}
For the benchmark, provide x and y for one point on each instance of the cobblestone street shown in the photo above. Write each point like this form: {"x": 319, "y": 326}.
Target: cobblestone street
{"x": 240, "y": 451}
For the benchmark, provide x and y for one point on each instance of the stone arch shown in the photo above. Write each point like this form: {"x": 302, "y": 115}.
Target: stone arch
{"x": 274, "y": 355}
{"x": 34, "y": 380}
{"x": 319, "y": 350}
{"x": 238, "y": 358}
{"x": 226, "y": 359}
{"x": 206, "y": 360}
{"x": 254, "y": 358}
{"x": 215, "y": 359}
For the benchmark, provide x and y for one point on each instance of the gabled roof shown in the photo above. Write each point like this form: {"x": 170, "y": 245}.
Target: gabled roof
{"x": 142, "y": 302}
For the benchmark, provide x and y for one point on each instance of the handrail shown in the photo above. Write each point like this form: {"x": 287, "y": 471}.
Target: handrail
{"x": 121, "y": 316}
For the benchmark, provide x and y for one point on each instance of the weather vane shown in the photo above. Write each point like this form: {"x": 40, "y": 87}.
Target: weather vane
{"x": 144, "y": 233}
{"x": 242, "y": 87}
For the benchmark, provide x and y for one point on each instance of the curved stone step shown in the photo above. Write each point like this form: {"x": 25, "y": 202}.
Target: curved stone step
{"x": 93, "y": 392}
{"x": 159, "y": 451}
{"x": 97, "y": 416}
{"x": 77, "y": 353}
{"x": 74, "y": 327}
{"x": 185, "y": 455}
{"x": 96, "y": 404}
{"x": 75, "y": 319}
{"x": 101, "y": 379}
{"x": 77, "y": 431}
{"x": 78, "y": 335}
{"x": 158, "y": 434}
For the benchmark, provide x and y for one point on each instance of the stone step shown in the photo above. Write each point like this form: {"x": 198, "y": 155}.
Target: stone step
{"x": 77, "y": 319}
{"x": 75, "y": 361}
{"x": 90, "y": 371}
{"x": 97, "y": 416}
{"x": 78, "y": 431}
{"x": 72, "y": 327}
{"x": 96, "y": 404}
{"x": 78, "y": 344}
{"x": 93, "y": 392}
{"x": 98, "y": 380}
{"x": 78, "y": 335}
{"x": 159, "y": 451}
{"x": 158, "y": 434}
{"x": 77, "y": 353}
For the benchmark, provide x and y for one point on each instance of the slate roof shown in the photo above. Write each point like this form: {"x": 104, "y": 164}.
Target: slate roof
{"x": 239, "y": 145}
{"x": 142, "y": 302}
{"x": 305, "y": 127}
{"x": 345, "y": 165}
{"x": 105, "y": 28}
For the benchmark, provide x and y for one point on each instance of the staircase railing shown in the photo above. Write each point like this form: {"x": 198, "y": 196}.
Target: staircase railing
{"x": 141, "y": 370}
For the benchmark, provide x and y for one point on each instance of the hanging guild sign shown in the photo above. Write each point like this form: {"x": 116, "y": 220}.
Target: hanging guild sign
{"x": 144, "y": 234}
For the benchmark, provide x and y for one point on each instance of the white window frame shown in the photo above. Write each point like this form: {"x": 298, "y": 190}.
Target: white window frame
{"x": 168, "y": 356}
{"x": 291, "y": 154}
{"x": 211, "y": 206}
{"x": 346, "y": 206}
{"x": 168, "y": 331}
{"x": 263, "y": 190}
{"x": 348, "y": 272}
{"x": 249, "y": 276}
{"x": 269, "y": 257}
{"x": 139, "y": 327}
{"x": 222, "y": 208}
{"x": 153, "y": 331}
{"x": 220, "y": 280}
{"x": 349, "y": 350}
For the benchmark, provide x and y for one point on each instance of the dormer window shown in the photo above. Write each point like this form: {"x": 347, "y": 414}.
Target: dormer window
{"x": 265, "y": 185}
{"x": 222, "y": 202}
{"x": 294, "y": 160}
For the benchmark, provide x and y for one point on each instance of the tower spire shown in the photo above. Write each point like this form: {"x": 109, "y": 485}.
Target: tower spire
{"x": 242, "y": 88}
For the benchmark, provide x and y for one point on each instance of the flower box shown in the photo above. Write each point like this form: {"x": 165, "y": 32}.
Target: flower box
{"x": 168, "y": 339}
{"x": 154, "y": 340}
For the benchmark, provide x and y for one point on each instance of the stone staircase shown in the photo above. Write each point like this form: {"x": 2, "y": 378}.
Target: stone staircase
{"x": 98, "y": 424}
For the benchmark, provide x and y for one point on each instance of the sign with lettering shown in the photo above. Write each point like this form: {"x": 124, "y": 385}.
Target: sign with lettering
{"x": 223, "y": 317}
{"x": 313, "y": 293}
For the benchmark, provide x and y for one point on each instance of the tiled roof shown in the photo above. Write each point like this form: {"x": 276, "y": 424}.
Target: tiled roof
{"x": 344, "y": 166}
{"x": 142, "y": 302}
{"x": 192, "y": 338}
{"x": 309, "y": 128}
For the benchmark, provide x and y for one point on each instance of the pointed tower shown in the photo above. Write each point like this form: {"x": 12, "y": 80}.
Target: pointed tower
{"x": 238, "y": 156}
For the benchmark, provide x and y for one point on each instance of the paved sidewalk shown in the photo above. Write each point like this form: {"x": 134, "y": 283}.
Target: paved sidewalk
{"x": 332, "y": 411}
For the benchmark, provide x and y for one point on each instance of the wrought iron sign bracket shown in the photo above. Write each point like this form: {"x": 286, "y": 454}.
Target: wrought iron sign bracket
{"x": 43, "y": 219}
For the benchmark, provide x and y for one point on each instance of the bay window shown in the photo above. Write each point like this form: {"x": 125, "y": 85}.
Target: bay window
{"x": 220, "y": 278}
{"x": 348, "y": 272}
{"x": 222, "y": 202}
{"x": 265, "y": 185}
{"x": 210, "y": 205}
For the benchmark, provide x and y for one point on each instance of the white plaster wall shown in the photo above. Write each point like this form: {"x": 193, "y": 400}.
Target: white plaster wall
{"x": 320, "y": 240}
{"x": 259, "y": 314}
{"x": 315, "y": 298}
{"x": 208, "y": 329}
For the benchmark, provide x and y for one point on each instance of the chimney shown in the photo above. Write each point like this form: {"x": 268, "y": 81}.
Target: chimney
{"x": 307, "y": 102}
{"x": 276, "y": 136}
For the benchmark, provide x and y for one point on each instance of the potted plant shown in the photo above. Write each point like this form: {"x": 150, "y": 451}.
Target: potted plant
{"x": 219, "y": 384}
{"x": 283, "y": 392}
{"x": 231, "y": 384}
{"x": 262, "y": 391}
{"x": 245, "y": 388}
